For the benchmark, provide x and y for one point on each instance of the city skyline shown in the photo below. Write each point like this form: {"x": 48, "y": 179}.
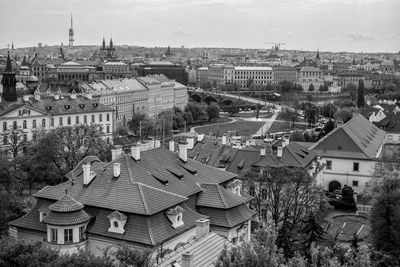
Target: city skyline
{"x": 335, "y": 25}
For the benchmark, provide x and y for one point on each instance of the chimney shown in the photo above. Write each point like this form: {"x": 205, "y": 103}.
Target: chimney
{"x": 87, "y": 174}
{"x": 151, "y": 144}
{"x": 37, "y": 96}
{"x": 286, "y": 139}
{"x": 25, "y": 98}
{"x": 262, "y": 151}
{"x": 116, "y": 153}
{"x": 187, "y": 259}
{"x": 56, "y": 97}
{"x": 202, "y": 227}
{"x": 224, "y": 139}
{"x": 135, "y": 152}
{"x": 279, "y": 152}
{"x": 247, "y": 142}
{"x": 72, "y": 96}
{"x": 183, "y": 151}
{"x": 117, "y": 169}
{"x": 190, "y": 142}
{"x": 172, "y": 146}
{"x": 144, "y": 146}
{"x": 200, "y": 137}
{"x": 157, "y": 143}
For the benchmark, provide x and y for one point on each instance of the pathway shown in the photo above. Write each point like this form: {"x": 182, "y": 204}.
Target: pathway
{"x": 193, "y": 129}
{"x": 264, "y": 129}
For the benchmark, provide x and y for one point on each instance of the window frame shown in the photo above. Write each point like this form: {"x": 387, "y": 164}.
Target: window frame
{"x": 329, "y": 164}
{"x": 68, "y": 235}
{"x": 53, "y": 233}
{"x": 354, "y": 166}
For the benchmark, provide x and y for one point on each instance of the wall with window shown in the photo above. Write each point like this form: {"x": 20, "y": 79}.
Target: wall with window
{"x": 345, "y": 171}
{"x": 67, "y": 238}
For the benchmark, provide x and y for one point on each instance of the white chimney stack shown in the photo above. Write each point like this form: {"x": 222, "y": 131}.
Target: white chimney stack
{"x": 117, "y": 169}
{"x": 135, "y": 152}
{"x": 262, "y": 151}
{"x": 200, "y": 137}
{"x": 187, "y": 259}
{"x": 183, "y": 151}
{"x": 56, "y": 97}
{"x": 279, "y": 151}
{"x": 25, "y": 98}
{"x": 116, "y": 153}
{"x": 151, "y": 144}
{"x": 87, "y": 174}
{"x": 172, "y": 146}
{"x": 287, "y": 140}
{"x": 224, "y": 139}
{"x": 190, "y": 142}
{"x": 157, "y": 143}
{"x": 73, "y": 96}
{"x": 202, "y": 227}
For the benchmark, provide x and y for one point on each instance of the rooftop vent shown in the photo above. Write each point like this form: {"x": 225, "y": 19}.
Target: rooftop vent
{"x": 175, "y": 172}
{"x": 188, "y": 168}
{"x": 159, "y": 177}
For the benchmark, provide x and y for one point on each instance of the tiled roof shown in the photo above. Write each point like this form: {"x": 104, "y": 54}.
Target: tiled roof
{"x": 48, "y": 105}
{"x": 243, "y": 160}
{"x": 230, "y": 217}
{"x": 66, "y": 218}
{"x": 66, "y": 204}
{"x": 293, "y": 155}
{"x": 205, "y": 251}
{"x": 358, "y": 138}
{"x": 137, "y": 190}
{"x": 215, "y": 196}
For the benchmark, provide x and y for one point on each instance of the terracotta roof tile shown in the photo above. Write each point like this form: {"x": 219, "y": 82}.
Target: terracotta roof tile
{"x": 214, "y": 195}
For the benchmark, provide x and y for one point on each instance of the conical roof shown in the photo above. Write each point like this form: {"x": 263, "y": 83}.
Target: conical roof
{"x": 8, "y": 63}
{"x": 66, "y": 204}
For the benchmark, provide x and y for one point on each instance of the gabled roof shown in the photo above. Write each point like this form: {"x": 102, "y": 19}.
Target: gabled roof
{"x": 137, "y": 190}
{"x": 358, "y": 138}
{"x": 214, "y": 195}
{"x": 293, "y": 155}
{"x": 243, "y": 159}
{"x": 228, "y": 217}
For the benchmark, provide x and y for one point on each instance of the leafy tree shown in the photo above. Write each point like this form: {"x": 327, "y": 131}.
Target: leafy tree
{"x": 361, "y": 92}
{"x": 15, "y": 140}
{"x": 328, "y": 110}
{"x": 128, "y": 256}
{"x": 344, "y": 114}
{"x": 313, "y": 231}
{"x": 197, "y": 110}
{"x": 213, "y": 111}
{"x": 64, "y": 147}
{"x": 311, "y": 88}
{"x": 321, "y": 88}
{"x": 352, "y": 90}
{"x": 206, "y": 85}
{"x": 297, "y": 136}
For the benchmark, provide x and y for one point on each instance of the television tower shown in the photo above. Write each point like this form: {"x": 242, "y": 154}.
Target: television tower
{"x": 71, "y": 34}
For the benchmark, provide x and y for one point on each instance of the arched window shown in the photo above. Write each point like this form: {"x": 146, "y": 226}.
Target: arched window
{"x": 93, "y": 120}
{"x": 24, "y": 124}
{"x": 85, "y": 119}
{"x": 100, "y": 117}
{"x": 52, "y": 122}
{"x": 108, "y": 116}
{"x": 5, "y": 126}
{"x": 77, "y": 120}
{"x": 34, "y": 124}
{"x": 69, "y": 121}
{"x": 44, "y": 123}
{"x": 15, "y": 125}
{"x": 60, "y": 123}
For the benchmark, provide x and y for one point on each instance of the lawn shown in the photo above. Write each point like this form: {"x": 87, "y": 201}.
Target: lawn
{"x": 282, "y": 126}
{"x": 347, "y": 225}
{"x": 243, "y": 128}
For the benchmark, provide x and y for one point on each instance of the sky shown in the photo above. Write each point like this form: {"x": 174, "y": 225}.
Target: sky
{"x": 327, "y": 25}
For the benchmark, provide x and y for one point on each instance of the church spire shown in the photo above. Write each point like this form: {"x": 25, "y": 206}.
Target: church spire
{"x": 317, "y": 57}
{"x": 111, "y": 44}
{"x": 8, "y": 63}
{"x": 71, "y": 33}
{"x": 103, "y": 46}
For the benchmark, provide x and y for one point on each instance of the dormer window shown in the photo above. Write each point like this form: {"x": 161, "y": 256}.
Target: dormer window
{"x": 67, "y": 106}
{"x": 117, "y": 222}
{"x": 82, "y": 105}
{"x": 175, "y": 216}
{"x": 235, "y": 187}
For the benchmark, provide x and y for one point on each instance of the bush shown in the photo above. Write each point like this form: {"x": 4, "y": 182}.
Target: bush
{"x": 339, "y": 204}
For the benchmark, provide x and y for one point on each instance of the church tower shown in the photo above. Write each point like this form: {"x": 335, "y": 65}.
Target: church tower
{"x": 8, "y": 81}
{"x": 71, "y": 34}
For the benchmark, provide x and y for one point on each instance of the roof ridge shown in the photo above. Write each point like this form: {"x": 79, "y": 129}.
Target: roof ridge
{"x": 355, "y": 143}
{"x": 221, "y": 196}
{"x": 143, "y": 199}
{"x": 153, "y": 241}
{"x": 158, "y": 189}
{"x": 294, "y": 156}
{"x": 130, "y": 173}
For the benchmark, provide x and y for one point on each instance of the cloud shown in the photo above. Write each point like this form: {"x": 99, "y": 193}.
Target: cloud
{"x": 180, "y": 33}
{"x": 392, "y": 37}
{"x": 359, "y": 36}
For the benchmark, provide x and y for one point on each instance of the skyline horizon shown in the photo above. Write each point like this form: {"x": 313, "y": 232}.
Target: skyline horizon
{"x": 367, "y": 26}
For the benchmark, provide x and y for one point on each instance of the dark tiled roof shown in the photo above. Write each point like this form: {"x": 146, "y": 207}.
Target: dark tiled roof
{"x": 230, "y": 217}
{"x": 243, "y": 160}
{"x": 31, "y": 219}
{"x": 66, "y": 218}
{"x": 137, "y": 190}
{"x": 66, "y": 204}
{"x": 215, "y": 196}
{"x": 293, "y": 155}
{"x": 358, "y": 138}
